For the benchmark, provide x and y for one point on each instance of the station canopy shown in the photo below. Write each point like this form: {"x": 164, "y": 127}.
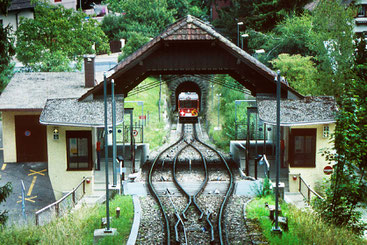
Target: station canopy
{"x": 191, "y": 46}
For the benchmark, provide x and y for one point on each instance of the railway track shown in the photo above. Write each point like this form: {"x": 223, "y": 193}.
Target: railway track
{"x": 187, "y": 218}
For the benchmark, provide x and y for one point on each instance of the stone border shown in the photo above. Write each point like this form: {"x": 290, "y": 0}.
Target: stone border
{"x": 136, "y": 223}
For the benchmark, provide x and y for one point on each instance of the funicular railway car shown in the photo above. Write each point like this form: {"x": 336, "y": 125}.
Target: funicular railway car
{"x": 188, "y": 107}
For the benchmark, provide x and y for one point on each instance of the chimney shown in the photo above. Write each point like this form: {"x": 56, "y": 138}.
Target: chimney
{"x": 89, "y": 70}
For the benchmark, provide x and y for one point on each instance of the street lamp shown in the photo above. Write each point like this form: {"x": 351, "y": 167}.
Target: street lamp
{"x": 243, "y": 36}
{"x": 218, "y": 107}
{"x": 238, "y": 32}
{"x": 259, "y": 51}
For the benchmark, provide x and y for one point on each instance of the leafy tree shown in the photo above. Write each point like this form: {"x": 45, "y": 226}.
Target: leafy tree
{"x": 114, "y": 26}
{"x": 136, "y": 40}
{"x": 57, "y": 36}
{"x": 4, "y": 193}
{"x": 299, "y": 72}
{"x": 332, "y": 41}
{"x": 6, "y": 49}
{"x": 259, "y": 15}
{"x": 196, "y": 8}
{"x": 149, "y": 17}
{"x": 348, "y": 182}
{"x": 291, "y": 36}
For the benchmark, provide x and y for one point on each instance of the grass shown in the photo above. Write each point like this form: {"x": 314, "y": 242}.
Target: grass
{"x": 305, "y": 227}
{"x": 154, "y": 132}
{"x": 75, "y": 228}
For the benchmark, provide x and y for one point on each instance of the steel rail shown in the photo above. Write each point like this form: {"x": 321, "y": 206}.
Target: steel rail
{"x": 228, "y": 193}
{"x": 192, "y": 198}
{"x": 154, "y": 192}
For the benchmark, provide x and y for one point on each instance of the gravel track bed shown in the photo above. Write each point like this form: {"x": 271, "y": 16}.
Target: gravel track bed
{"x": 197, "y": 231}
{"x": 151, "y": 226}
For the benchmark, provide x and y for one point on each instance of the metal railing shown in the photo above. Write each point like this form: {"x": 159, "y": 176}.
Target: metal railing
{"x": 306, "y": 191}
{"x": 61, "y": 206}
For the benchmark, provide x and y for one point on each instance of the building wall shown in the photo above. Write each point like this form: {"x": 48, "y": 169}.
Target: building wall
{"x": 316, "y": 174}
{"x": 9, "y": 142}
{"x": 62, "y": 180}
{"x": 69, "y": 4}
{"x": 13, "y": 19}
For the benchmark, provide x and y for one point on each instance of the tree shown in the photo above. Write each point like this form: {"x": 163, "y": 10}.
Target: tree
{"x": 259, "y": 15}
{"x": 349, "y": 157}
{"x": 332, "y": 41}
{"x": 136, "y": 40}
{"x": 299, "y": 72}
{"x": 4, "y": 193}
{"x": 6, "y": 49}
{"x": 149, "y": 17}
{"x": 56, "y": 37}
{"x": 291, "y": 36}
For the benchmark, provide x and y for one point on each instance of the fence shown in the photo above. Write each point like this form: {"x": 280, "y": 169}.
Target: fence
{"x": 306, "y": 191}
{"x": 61, "y": 206}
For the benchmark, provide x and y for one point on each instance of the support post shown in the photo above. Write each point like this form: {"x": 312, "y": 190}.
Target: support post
{"x": 235, "y": 118}
{"x": 277, "y": 229}
{"x": 160, "y": 96}
{"x": 248, "y": 144}
{"x": 114, "y": 181}
{"x": 108, "y": 230}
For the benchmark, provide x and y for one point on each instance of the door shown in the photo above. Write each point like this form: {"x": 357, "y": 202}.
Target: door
{"x": 31, "y": 141}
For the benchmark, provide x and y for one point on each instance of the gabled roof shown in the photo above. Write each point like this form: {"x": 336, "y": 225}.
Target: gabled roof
{"x": 307, "y": 111}
{"x": 70, "y": 112}
{"x": 187, "y": 30}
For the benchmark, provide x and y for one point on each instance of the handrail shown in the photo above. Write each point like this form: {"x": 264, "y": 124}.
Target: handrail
{"x": 60, "y": 200}
{"x": 309, "y": 190}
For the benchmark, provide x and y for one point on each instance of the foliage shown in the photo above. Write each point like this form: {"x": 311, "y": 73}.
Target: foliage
{"x": 149, "y": 17}
{"x": 6, "y": 49}
{"x": 136, "y": 40}
{"x": 196, "y": 8}
{"x": 113, "y": 26}
{"x": 226, "y": 110}
{"x": 4, "y": 193}
{"x": 265, "y": 189}
{"x": 291, "y": 36}
{"x": 57, "y": 36}
{"x": 258, "y": 15}
{"x": 155, "y": 130}
{"x": 332, "y": 41}
{"x": 299, "y": 72}
{"x": 305, "y": 227}
{"x": 349, "y": 158}
{"x": 76, "y": 227}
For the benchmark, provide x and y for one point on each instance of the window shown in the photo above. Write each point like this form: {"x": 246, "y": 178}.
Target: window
{"x": 302, "y": 152}
{"x": 326, "y": 132}
{"x": 361, "y": 10}
{"x": 79, "y": 150}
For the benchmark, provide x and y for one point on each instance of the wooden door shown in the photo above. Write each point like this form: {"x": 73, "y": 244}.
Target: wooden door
{"x": 31, "y": 140}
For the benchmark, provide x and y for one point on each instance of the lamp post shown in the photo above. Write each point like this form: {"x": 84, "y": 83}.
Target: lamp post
{"x": 243, "y": 36}
{"x": 108, "y": 230}
{"x": 218, "y": 107}
{"x": 238, "y": 32}
{"x": 259, "y": 51}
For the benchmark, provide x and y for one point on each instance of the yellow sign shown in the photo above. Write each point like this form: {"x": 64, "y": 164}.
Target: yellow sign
{"x": 194, "y": 112}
